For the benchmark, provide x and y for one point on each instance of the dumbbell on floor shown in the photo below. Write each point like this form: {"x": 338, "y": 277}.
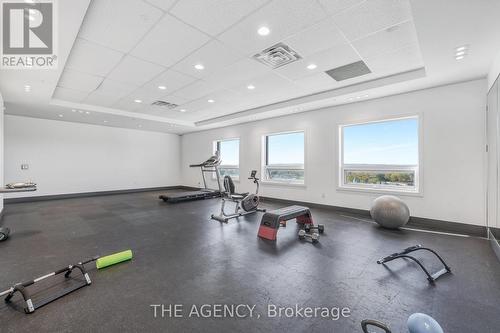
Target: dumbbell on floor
{"x": 320, "y": 228}
{"x": 313, "y": 237}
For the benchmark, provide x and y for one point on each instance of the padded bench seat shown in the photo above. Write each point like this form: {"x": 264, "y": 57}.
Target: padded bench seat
{"x": 272, "y": 220}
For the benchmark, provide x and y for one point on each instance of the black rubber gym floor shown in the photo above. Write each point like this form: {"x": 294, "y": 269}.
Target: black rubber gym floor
{"x": 182, "y": 257}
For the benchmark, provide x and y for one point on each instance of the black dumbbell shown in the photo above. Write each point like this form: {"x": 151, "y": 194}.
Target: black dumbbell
{"x": 319, "y": 227}
{"x": 314, "y": 237}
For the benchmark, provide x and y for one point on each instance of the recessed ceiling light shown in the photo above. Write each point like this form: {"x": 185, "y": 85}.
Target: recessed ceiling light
{"x": 459, "y": 57}
{"x": 137, "y": 100}
{"x": 80, "y": 111}
{"x": 251, "y": 87}
{"x": 199, "y": 67}
{"x": 73, "y": 110}
{"x": 60, "y": 116}
{"x": 162, "y": 87}
{"x": 27, "y": 88}
{"x": 312, "y": 66}
{"x": 460, "y": 53}
{"x": 105, "y": 121}
{"x": 365, "y": 96}
{"x": 461, "y": 48}
{"x": 182, "y": 110}
{"x": 211, "y": 101}
{"x": 87, "y": 112}
{"x": 264, "y": 31}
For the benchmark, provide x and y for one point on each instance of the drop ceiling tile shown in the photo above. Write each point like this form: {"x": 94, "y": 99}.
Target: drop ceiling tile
{"x": 115, "y": 88}
{"x": 169, "y": 41}
{"x": 171, "y": 80}
{"x": 339, "y": 55}
{"x": 319, "y": 37}
{"x": 79, "y": 81}
{"x": 214, "y": 16}
{"x": 175, "y": 100}
{"x": 316, "y": 82}
{"x": 401, "y": 60}
{"x": 245, "y": 69}
{"x": 283, "y": 17}
{"x": 70, "y": 95}
{"x": 372, "y": 16}
{"x": 118, "y": 24}
{"x": 91, "y": 58}
{"x": 387, "y": 41}
{"x": 98, "y": 98}
{"x": 163, "y": 4}
{"x": 268, "y": 88}
{"x": 196, "y": 90}
{"x": 334, "y": 7}
{"x": 213, "y": 56}
{"x": 135, "y": 71}
{"x": 127, "y": 103}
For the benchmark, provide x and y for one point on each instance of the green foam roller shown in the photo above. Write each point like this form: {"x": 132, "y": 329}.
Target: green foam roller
{"x": 113, "y": 259}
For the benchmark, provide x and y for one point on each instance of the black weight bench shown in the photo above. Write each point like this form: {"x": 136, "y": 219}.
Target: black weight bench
{"x": 272, "y": 220}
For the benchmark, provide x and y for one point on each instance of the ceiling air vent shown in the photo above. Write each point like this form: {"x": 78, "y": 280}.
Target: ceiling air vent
{"x": 164, "y": 104}
{"x": 349, "y": 71}
{"x": 277, "y": 55}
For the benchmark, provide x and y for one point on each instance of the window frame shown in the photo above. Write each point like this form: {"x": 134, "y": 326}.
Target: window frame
{"x": 216, "y": 144}
{"x": 265, "y": 158}
{"x": 417, "y": 190}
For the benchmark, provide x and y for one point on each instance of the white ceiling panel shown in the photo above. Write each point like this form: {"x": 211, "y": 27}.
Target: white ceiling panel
{"x": 404, "y": 59}
{"x": 91, "y": 58}
{"x": 119, "y": 24}
{"x": 127, "y": 103}
{"x": 171, "y": 80}
{"x": 334, "y": 7}
{"x": 339, "y": 55}
{"x": 387, "y": 40}
{"x": 163, "y": 4}
{"x": 214, "y": 16}
{"x": 372, "y": 16}
{"x": 242, "y": 70}
{"x": 269, "y": 88}
{"x": 98, "y": 98}
{"x": 69, "y": 94}
{"x": 115, "y": 88}
{"x": 316, "y": 83}
{"x": 319, "y": 37}
{"x": 135, "y": 71}
{"x": 283, "y": 17}
{"x": 169, "y": 41}
{"x": 213, "y": 56}
{"x": 79, "y": 81}
{"x": 196, "y": 90}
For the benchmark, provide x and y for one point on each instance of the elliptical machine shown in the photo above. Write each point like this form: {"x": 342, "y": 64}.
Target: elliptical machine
{"x": 245, "y": 203}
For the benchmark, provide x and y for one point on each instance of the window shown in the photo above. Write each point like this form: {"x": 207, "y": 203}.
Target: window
{"x": 230, "y": 157}
{"x": 284, "y": 157}
{"x": 382, "y": 155}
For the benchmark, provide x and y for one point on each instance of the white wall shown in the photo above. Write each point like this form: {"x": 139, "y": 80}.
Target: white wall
{"x": 67, "y": 157}
{"x": 453, "y": 151}
{"x": 494, "y": 71}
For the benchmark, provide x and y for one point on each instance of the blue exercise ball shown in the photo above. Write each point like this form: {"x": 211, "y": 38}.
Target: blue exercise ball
{"x": 422, "y": 323}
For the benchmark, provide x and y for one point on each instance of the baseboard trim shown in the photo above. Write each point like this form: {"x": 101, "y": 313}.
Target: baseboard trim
{"x": 89, "y": 194}
{"x": 415, "y": 221}
{"x": 495, "y": 245}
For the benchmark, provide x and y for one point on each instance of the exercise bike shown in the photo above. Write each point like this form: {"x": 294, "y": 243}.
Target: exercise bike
{"x": 245, "y": 203}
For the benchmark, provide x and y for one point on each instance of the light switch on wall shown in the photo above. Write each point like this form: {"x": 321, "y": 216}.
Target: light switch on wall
{"x": 25, "y": 166}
